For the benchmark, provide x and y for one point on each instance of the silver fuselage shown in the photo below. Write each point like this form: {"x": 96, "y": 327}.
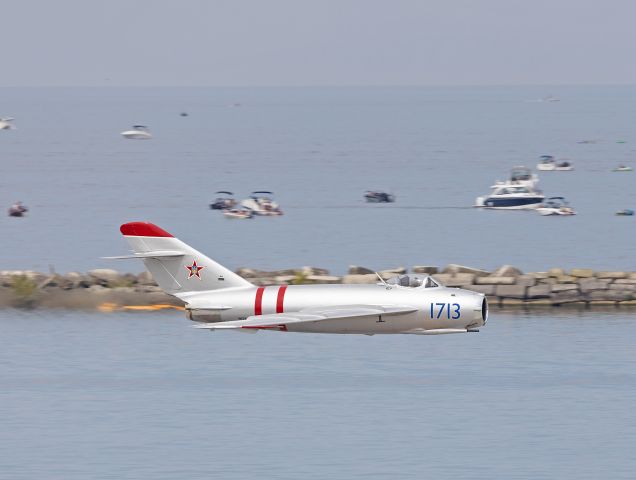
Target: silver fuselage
{"x": 434, "y": 308}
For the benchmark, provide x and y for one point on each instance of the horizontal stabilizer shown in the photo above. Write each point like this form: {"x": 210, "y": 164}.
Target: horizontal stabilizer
{"x": 152, "y": 254}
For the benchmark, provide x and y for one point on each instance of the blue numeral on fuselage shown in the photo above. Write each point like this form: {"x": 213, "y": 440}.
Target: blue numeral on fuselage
{"x": 453, "y": 308}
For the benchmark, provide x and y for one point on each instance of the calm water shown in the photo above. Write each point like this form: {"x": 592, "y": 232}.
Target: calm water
{"x": 318, "y": 149}
{"x": 145, "y": 396}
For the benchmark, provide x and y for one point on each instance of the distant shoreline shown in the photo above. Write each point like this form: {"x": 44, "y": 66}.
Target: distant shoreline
{"x": 506, "y": 288}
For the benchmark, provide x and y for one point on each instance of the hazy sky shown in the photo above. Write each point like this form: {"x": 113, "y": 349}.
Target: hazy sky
{"x": 317, "y": 42}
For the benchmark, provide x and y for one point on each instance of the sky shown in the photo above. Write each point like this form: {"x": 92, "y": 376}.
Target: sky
{"x": 317, "y": 42}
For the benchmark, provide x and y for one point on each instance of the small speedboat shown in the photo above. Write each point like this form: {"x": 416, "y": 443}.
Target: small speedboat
{"x": 379, "y": 197}
{"x": 622, "y": 168}
{"x": 556, "y": 206}
{"x": 625, "y": 213}
{"x": 138, "y": 132}
{"x": 548, "y": 163}
{"x": 5, "y": 124}
{"x": 17, "y": 210}
{"x": 237, "y": 213}
{"x": 510, "y": 196}
{"x": 262, "y": 203}
{"x": 224, "y": 201}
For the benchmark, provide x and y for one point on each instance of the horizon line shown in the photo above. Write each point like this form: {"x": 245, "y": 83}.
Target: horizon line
{"x": 396, "y": 85}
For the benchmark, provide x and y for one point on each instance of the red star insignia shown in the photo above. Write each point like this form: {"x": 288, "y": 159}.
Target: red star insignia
{"x": 194, "y": 270}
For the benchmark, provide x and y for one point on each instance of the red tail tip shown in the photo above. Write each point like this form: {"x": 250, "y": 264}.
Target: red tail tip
{"x": 143, "y": 229}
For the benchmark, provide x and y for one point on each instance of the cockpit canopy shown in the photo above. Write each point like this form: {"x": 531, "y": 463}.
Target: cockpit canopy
{"x": 413, "y": 281}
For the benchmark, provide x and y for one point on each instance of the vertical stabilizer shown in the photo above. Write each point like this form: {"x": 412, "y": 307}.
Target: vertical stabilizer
{"x": 176, "y": 267}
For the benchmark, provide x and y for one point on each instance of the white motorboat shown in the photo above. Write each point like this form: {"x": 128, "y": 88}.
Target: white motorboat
{"x": 138, "y": 132}
{"x": 224, "y": 201}
{"x": 548, "y": 163}
{"x": 261, "y": 203}
{"x": 628, "y": 212}
{"x": 508, "y": 196}
{"x": 5, "y": 124}
{"x": 556, "y": 206}
{"x": 622, "y": 168}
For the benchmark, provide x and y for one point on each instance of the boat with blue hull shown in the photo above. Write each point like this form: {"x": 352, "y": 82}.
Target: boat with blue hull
{"x": 511, "y": 197}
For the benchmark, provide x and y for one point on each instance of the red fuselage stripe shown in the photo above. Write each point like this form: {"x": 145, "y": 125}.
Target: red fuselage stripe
{"x": 280, "y": 299}
{"x": 258, "y": 301}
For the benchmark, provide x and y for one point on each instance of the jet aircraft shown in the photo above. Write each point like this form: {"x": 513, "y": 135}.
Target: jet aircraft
{"x": 219, "y": 299}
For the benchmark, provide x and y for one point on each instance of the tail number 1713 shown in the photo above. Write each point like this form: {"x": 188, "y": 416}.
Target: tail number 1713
{"x": 450, "y": 310}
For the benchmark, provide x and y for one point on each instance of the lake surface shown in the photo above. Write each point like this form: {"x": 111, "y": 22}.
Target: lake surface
{"x": 318, "y": 149}
{"x": 129, "y": 396}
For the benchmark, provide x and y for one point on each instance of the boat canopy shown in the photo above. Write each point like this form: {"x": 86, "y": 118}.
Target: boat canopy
{"x": 140, "y": 126}
{"x": 520, "y": 173}
{"x": 224, "y": 192}
{"x": 261, "y": 194}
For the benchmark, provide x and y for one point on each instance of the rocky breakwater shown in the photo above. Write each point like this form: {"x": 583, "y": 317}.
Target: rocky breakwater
{"x": 508, "y": 286}
{"x": 108, "y": 290}
{"x": 103, "y": 289}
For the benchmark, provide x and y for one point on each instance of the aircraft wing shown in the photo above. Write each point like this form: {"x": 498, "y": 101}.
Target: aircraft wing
{"x": 279, "y": 321}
